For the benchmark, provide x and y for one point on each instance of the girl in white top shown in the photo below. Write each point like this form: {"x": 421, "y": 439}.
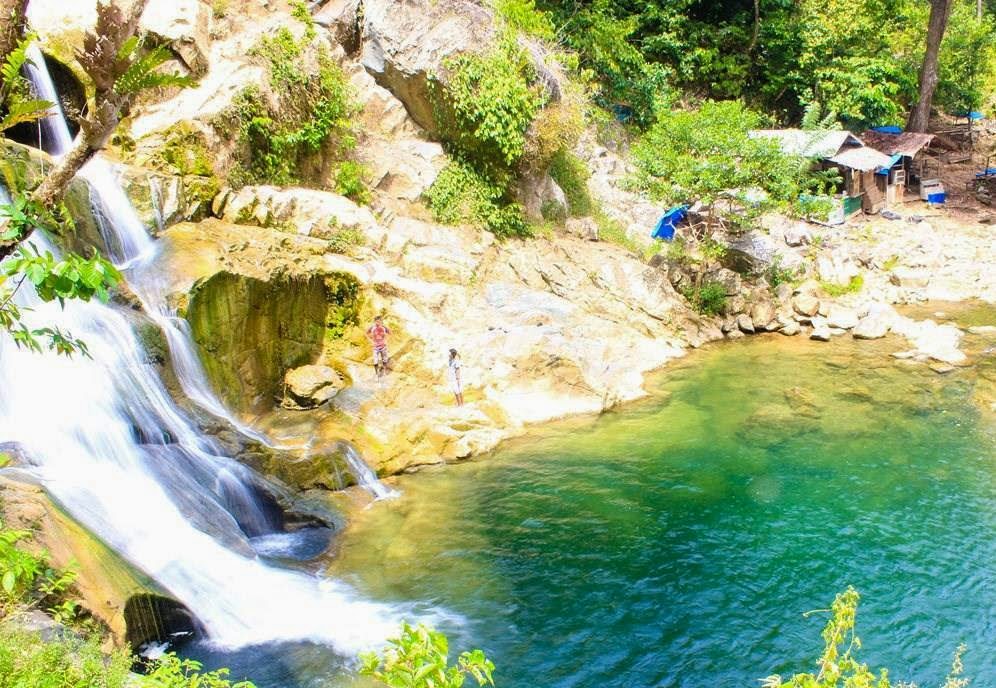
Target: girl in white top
{"x": 456, "y": 382}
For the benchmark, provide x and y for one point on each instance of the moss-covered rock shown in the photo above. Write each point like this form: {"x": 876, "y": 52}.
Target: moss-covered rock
{"x": 250, "y": 331}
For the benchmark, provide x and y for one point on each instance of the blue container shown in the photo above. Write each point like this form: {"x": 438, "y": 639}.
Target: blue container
{"x": 937, "y": 198}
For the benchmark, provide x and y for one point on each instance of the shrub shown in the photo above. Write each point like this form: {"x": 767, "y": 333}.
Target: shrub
{"x": 30, "y": 579}
{"x": 293, "y": 140}
{"x": 26, "y": 661}
{"x": 572, "y": 175}
{"x": 460, "y": 194}
{"x": 554, "y": 212}
{"x": 418, "y": 658}
{"x": 708, "y": 298}
{"x": 522, "y": 15}
{"x": 776, "y": 274}
{"x": 349, "y": 181}
{"x": 487, "y": 105}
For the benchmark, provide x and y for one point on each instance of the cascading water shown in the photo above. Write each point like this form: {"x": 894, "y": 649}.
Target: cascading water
{"x": 109, "y": 444}
{"x": 365, "y": 477}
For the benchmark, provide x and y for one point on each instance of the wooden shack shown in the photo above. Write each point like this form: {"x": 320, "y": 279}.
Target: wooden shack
{"x": 908, "y": 163}
{"x": 855, "y": 162}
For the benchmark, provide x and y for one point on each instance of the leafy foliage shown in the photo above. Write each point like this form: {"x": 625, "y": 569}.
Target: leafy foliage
{"x": 708, "y": 298}
{"x": 16, "y": 102}
{"x": 172, "y": 672}
{"x": 295, "y": 140}
{"x": 706, "y": 154}
{"x": 522, "y": 15}
{"x": 142, "y": 68}
{"x": 572, "y": 175}
{"x": 28, "y": 662}
{"x": 461, "y": 194}
{"x": 418, "y": 658}
{"x": 72, "y": 277}
{"x": 28, "y": 579}
{"x": 488, "y": 104}
{"x": 853, "y": 287}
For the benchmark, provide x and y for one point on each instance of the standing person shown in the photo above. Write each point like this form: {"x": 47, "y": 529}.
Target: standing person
{"x": 377, "y": 334}
{"x": 456, "y": 382}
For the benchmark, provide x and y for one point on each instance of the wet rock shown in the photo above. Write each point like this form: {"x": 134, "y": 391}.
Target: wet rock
{"x": 876, "y": 324}
{"x": 841, "y": 317}
{"x": 791, "y": 329}
{"x": 311, "y": 386}
{"x": 806, "y": 304}
{"x": 745, "y": 323}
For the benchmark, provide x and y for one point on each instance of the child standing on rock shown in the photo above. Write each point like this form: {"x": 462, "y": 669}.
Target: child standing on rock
{"x": 456, "y": 382}
{"x": 377, "y": 334}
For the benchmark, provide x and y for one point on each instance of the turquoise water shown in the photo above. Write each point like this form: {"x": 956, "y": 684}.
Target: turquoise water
{"x": 677, "y": 542}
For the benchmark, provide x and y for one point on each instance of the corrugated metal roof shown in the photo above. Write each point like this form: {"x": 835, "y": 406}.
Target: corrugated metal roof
{"x": 861, "y": 158}
{"x": 908, "y": 143}
{"x": 809, "y": 144}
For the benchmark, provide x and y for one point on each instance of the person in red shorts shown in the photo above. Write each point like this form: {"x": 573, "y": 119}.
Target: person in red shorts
{"x": 377, "y": 334}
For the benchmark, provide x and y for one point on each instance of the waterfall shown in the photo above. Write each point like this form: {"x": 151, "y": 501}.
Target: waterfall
{"x": 364, "y": 476}
{"x": 109, "y": 444}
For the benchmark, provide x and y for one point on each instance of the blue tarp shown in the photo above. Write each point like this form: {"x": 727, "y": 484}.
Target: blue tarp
{"x": 972, "y": 115}
{"x": 889, "y": 129}
{"x": 988, "y": 172}
{"x": 669, "y": 222}
{"x": 893, "y": 159}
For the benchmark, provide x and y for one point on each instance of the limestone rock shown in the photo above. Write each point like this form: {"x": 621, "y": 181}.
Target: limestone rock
{"x": 821, "y": 330}
{"x": 798, "y": 234}
{"x": 790, "y": 329}
{"x": 745, "y": 323}
{"x": 310, "y": 386}
{"x": 341, "y": 18}
{"x": 876, "y": 324}
{"x": 837, "y": 267}
{"x": 909, "y": 278}
{"x": 730, "y": 280}
{"x": 542, "y": 196}
{"x": 305, "y": 211}
{"x": 841, "y": 317}
{"x": 783, "y": 292}
{"x": 763, "y": 316}
{"x": 582, "y": 227}
{"x": 186, "y": 26}
{"x": 806, "y": 304}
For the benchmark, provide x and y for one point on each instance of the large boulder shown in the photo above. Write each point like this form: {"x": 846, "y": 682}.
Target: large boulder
{"x": 311, "y": 386}
{"x": 406, "y": 43}
{"x": 806, "y": 304}
{"x": 307, "y": 212}
{"x": 763, "y": 316}
{"x": 876, "y": 324}
{"x": 185, "y": 25}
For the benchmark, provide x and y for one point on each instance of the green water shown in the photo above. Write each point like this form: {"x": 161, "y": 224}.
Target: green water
{"x": 677, "y": 541}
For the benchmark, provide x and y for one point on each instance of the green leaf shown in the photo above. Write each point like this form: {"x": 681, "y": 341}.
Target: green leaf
{"x": 8, "y": 581}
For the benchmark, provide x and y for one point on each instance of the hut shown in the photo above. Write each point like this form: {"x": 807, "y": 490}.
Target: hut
{"x": 908, "y": 163}
{"x": 855, "y": 162}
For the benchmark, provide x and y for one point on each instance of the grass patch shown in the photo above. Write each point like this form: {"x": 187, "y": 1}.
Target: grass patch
{"x": 708, "y": 298}
{"x": 572, "y": 175}
{"x": 856, "y": 284}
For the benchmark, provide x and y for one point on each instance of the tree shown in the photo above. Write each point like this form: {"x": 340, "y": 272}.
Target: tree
{"x": 940, "y": 11}
{"x": 12, "y": 14}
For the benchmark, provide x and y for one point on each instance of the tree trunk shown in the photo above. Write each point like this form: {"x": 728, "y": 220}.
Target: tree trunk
{"x": 757, "y": 27}
{"x": 11, "y": 25}
{"x": 940, "y": 10}
{"x": 978, "y": 9}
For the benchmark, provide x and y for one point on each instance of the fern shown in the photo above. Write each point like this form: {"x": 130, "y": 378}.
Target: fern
{"x": 12, "y": 83}
{"x": 141, "y": 73}
{"x": 24, "y": 111}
